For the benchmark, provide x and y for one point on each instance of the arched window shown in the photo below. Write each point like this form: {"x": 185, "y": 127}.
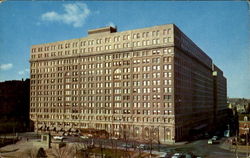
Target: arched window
{"x": 168, "y": 134}
{"x": 136, "y": 132}
{"x": 117, "y": 74}
{"x": 146, "y": 132}
{"x": 155, "y": 133}
{"x": 117, "y": 71}
{"x": 245, "y": 118}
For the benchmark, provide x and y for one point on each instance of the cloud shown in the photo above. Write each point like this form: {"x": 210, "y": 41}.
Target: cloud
{"x": 6, "y": 66}
{"x": 24, "y": 72}
{"x": 111, "y": 24}
{"x": 74, "y": 14}
{"x": 21, "y": 72}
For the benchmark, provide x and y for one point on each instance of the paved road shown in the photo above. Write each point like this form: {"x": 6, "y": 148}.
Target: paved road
{"x": 201, "y": 148}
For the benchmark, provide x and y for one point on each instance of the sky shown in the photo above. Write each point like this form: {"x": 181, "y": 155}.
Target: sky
{"x": 221, "y": 29}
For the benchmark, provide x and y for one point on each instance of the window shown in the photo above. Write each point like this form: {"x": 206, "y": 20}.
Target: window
{"x": 146, "y": 68}
{"x": 167, "y": 67}
{"x": 117, "y": 71}
{"x": 168, "y": 90}
{"x": 154, "y": 41}
{"x": 156, "y": 67}
{"x": 156, "y": 60}
{"x": 156, "y": 75}
{"x": 156, "y": 51}
{"x": 167, "y": 82}
{"x": 156, "y": 82}
{"x": 167, "y": 51}
{"x": 136, "y": 69}
{"x": 117, "y": 84}
{"x": 167, "y": 97}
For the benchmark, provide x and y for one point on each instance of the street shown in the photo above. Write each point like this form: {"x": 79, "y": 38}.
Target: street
{"x": 198, "y": 148}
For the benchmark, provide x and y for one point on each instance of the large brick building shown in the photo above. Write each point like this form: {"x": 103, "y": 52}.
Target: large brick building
{"x": 244, "y": 124}
{"x": 14, "y": 106}
{"x": 150, "y": 82}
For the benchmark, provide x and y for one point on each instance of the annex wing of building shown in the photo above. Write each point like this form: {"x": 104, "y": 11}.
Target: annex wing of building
{"x": 146, "y": 83}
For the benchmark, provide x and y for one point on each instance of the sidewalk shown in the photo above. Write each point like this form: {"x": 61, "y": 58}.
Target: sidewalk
{"x": 240, "y": 148}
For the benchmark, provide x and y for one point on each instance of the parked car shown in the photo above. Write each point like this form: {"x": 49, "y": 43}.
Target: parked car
{"x": 58, "y": 137}
{"x": 188, "y": 156}
{"x": 115, "y": 138}
{"x": 214, "y": 138}
{"x": 178, "y": 155}
{"x": 210, "y": 141}
{"x": 141, "y": 146}
{"x": 126, "y": 145}
{"x": 84, "y": 137}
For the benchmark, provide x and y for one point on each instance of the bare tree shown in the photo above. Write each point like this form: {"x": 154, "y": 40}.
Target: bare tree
{"x": 126, "y": 137}
{"x": 151, "y": 137}
{"x": 29, "y": 153}
{"x": 113, "y": 143}
{"x": 64, "y": 152}
{"x": 80, "y": 149}
{"x": 41, "y": 153}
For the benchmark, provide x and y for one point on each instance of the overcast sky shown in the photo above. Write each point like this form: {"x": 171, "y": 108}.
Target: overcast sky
{"x": 221, "y": 29}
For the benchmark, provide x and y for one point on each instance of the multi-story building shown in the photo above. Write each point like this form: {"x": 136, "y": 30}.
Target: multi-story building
{"x": 14, "y": 106}
{"x": 152, "y": 83}
{"x": 244, "y": 124}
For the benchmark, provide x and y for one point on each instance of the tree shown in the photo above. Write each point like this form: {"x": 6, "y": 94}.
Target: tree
{"x": 80, "y": 150}
{"x": 29, "y": 153}
{"x": 125, "y": 136}
{"x": 151, "y": 136}
{"x": 41, "y": 153}
{"x": 64, "y": 152}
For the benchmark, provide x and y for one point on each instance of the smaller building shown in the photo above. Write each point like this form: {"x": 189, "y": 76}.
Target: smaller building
{"x": 244, "y": 129}
{"x": 244, "y": 124}
{"x": 242, "y": 105}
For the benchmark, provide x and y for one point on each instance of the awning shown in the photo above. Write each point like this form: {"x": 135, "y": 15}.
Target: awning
{"x": 39, "y": 127}
{"x": 67, "y": 129}
{"x": 58, "y": 128}
{"x": 44, "y": 128}
{"x": 73, "y": 130}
